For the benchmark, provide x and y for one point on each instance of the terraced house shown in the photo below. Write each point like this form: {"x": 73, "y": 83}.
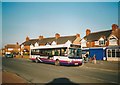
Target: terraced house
{"x": 103, "y": 44}
{"x": 41, "y": 41}
{"x": 12, "y": 48}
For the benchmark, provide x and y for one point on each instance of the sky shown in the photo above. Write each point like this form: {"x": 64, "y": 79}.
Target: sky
{"x": 60, "y": 0}
{"x": 32, "y": 19}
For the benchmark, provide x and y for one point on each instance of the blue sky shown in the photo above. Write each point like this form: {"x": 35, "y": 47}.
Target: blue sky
{"x": 47, "y": 18}
{"x": 60, "y": 0}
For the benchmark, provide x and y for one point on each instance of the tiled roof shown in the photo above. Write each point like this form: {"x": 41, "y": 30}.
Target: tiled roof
{"x": 46, "y": 40}
{"x": 11, "y": 46}
{"x": 97, "y": 35}
{"x": 60, "y": 40}
{"x": 63, "y": 40}
{"x": 31, "y": 41}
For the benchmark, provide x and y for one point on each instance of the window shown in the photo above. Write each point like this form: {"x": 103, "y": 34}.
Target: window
{"x": 79, "y": 52}
{"x": 102, "y": 42}
{"x": 113, "y": 53}
{"x": 57, "y": 52}
{"x": 109, "y": 53}
{"x": 113, "y": 42}
{"x": 35, "y": 52}
{"x": 74, "y": 52}
{"x": 49, "y": 52}
{"x": 117, "y": 52}
{"x": 63, "y": 50}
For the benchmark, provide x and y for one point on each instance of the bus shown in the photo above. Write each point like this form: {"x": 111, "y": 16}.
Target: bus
{"x": 57, "y": 54}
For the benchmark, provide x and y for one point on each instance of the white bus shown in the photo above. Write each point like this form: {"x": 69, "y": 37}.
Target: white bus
{"x": 57, "y": 54}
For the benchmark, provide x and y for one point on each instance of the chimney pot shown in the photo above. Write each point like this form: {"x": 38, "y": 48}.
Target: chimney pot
{"x": 17, "y": 43}
{"x": 77, "y": 35}
{"x": 41, "y": 37}
{"x": 57, "y": 35}
{"x": 27, "y": 38}
{"x": 88, "y": 31}
{"x": 114, "y": 27}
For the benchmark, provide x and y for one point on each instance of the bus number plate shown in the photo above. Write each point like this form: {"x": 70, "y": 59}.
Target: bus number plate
{"x": 76, "y": 63}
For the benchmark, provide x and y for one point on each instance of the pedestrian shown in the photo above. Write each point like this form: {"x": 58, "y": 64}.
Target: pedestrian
{"x": 94, "y": 59}
{"x": 86, "y": 57}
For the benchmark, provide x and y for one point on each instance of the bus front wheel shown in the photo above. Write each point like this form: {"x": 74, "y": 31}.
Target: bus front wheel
{"x": 57, "y": 62}
{"x": 36, "y": 60}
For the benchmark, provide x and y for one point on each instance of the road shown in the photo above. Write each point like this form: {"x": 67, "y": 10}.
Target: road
{"x": 47, "y": 73}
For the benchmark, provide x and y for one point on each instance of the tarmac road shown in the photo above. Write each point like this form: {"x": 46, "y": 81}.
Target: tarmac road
{"x": 47, "y": 73}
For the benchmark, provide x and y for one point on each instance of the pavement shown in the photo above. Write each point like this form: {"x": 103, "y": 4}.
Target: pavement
{"x": 104, "y": 65}
{"x": 9, "y": 77}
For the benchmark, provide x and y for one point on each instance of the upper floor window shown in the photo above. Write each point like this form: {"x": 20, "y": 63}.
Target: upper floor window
{"x": 112, "y": 40}
{"x": 101, "y": 42}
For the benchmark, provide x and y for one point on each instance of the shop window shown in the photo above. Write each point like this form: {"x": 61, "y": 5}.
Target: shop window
{"x": 109, "y": 53}
{"x": 113, "y": 53}
{"x": 117, "y": 52}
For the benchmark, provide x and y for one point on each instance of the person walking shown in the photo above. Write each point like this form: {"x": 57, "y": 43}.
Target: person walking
{"x": 94, "y": 59}
{"x": 86, "y": 57}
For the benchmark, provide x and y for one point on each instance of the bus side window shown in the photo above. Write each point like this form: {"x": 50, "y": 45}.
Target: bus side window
{"x": 53, "y": 52}
{"x": 57, "y": 52}
{"x": 63, "y": 52}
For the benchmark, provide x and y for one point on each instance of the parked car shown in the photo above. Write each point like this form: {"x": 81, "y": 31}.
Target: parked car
{"x": 9, "y": 55}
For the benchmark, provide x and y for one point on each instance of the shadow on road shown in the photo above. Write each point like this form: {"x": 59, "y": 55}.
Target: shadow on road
{"x": 61, "y": 81}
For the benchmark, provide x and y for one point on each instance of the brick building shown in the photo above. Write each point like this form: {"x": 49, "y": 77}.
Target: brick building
{"x": 41, "y": 41}
{"x": 12, "y": 48}
{"x": 105, "y": 44}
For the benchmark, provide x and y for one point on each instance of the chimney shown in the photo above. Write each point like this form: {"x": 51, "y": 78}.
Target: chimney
{"x": 17, "y": 43}
{"x": 114, "y": 27}
{"x": 27, "y": 38}
{"x": 88, "y": 31}
{"x": 57, "y": 35}
{"x": 77, "y": 35}
{"x": 41, "y": 37}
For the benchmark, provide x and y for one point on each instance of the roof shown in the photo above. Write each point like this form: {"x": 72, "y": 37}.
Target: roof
{"x": 97, "y": 35}
{"x": 12, "y": 46}
{"x": 60, "y": 40}
{"x": 46, "y": 40}
{"x": 63, "y": 40}
{"x": 31, "y": 41}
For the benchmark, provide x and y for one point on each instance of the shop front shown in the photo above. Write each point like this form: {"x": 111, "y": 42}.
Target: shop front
{"x": 113, "y": 53}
